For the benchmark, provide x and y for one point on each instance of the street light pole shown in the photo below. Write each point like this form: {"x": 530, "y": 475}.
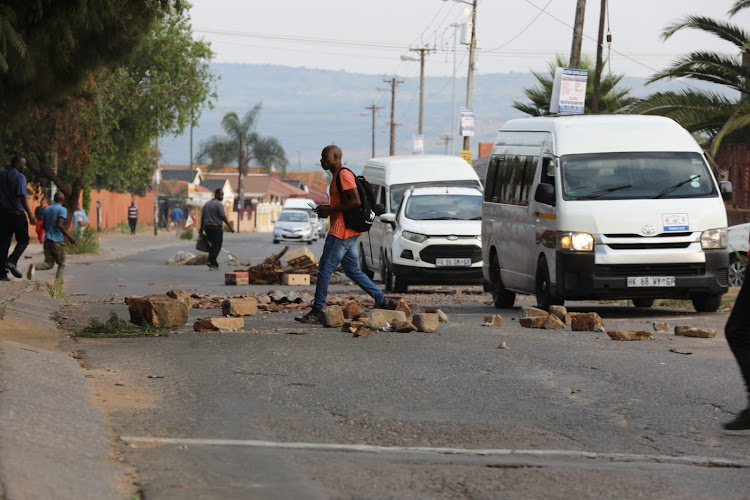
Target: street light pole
{"x": 472, "y": 50}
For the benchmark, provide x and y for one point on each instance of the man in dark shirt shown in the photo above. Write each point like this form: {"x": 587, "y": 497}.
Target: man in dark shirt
{"x": 14, "y": 209}
{"x": 213, "y": 218}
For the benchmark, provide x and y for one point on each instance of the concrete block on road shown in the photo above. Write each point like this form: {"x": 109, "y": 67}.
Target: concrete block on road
{"x": 219, "y": 323}
{"x": 426, "y": 322}
{"x": 239, "y": 307}
{"x": 630, "y": 335}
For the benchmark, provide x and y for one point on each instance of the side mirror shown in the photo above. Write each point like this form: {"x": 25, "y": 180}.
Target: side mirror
{"x": 388, "y": 217}
{"x": 726, "y": 190}
{"x": 545, "y": 193}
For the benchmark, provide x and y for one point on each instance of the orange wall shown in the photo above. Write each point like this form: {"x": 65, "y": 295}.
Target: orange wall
{"x": 114, "y": 208}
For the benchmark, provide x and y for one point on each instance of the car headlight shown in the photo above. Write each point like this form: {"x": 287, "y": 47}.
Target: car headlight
{"x": 415, "y": 237}
{"x": 714, "y": 238}
{"x": 577, "y": 242}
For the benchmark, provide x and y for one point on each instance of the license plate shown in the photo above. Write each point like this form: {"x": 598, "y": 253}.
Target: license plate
{"x": 452, "y": 262}
{"x": 646, "y": 281}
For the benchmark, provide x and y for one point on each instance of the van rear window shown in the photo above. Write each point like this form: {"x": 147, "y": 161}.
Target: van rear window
{"x": 398, "y": 190}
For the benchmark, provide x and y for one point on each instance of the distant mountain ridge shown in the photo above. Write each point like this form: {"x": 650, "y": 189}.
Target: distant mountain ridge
{"x": 306, "y": 109}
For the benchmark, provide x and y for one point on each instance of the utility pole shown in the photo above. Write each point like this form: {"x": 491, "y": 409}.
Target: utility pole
{"x": 447, "y": 139}
{"x": 575, "y": 50}
{"x": 374, "y": 110}
{"x": 472, "y": 50}
{"x": 393, "y": 82}
{"x": 156, "y": 189}
{"x": 422, "y": 51}
{"x": 598, "y": 70}
{"x": 191, "y": 140}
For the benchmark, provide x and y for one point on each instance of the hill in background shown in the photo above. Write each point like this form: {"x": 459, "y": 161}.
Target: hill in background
{"x": 306, "y": 109}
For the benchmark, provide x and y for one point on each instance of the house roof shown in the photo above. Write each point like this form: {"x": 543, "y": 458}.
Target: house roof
{"x": 178, "y": 175}
{"x": 214, "y": 184}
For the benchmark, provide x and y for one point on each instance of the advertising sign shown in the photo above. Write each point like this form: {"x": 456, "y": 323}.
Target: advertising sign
{"x": 569, "y": 91}
{"x": 467, "y": 122}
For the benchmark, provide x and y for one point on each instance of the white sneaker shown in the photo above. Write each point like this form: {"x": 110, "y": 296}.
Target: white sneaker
{"x": 30, "y": 272}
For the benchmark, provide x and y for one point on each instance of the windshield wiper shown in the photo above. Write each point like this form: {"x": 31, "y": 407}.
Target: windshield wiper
{"x": 601, "y": 192}
{"x": 668, "y": 190}
{"x": 443, "y": 218}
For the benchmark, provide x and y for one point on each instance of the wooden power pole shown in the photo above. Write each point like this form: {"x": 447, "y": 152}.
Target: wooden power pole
{"x": 374, "y": 110}
{"x": 599, "y": 62}
{"x": 393, "y": 82}
{"x": 575, "y": 50}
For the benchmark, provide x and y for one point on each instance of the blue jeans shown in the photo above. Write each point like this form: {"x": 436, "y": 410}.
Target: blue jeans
{"x": 337, "y": 251}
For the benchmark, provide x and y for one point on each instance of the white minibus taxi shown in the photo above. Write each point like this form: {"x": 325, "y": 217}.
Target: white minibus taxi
{"x": 603, "y": 207}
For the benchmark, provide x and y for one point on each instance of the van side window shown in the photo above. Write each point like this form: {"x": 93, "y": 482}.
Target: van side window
{"x": 548, "y": 171}
{"x": 490, "y": 182}
{"x": 509, "y": 179}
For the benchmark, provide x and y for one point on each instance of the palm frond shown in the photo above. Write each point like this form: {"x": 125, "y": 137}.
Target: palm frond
{"x": 711, "y": 67}
{"x": 740, "y": 120}
{"x": 738, "y": 6}
{"x": 248, "y": 121}
{"x": 724, "y": 30}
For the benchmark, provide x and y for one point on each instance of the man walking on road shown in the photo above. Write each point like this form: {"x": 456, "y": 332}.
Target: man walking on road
{"x": 132, "y": 216}
{"x": 54, "y": 217}
{"x": 213, "y": 219}
{"x": 341, "y": 243}
{"x": 737, "y": 331}
{"x": 14, "y": 208}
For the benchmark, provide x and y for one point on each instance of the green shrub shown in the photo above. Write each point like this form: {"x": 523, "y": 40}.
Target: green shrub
{"x": 87, "y": 242}
{"x": 187, "y": 234}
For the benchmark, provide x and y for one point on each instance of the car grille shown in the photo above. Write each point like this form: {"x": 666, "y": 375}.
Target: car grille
{"x": 650, "y": 270}
{"x": 433, "y": 252}
{"x": 646, "y": 246}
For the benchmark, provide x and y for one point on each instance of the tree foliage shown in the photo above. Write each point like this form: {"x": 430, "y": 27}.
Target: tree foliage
{"x": 241, "y": 144}
{"x": 49, "y": 48}
{"x": 713, "y": 113}
{"x": 101, "y": 136}
{"x": 611, "y": 100}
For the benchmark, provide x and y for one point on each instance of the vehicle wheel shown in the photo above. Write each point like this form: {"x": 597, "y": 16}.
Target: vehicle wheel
{"x": 643, "y": 302}
{"x": 398, "y": 284}
{"x": 275, "y": 242}
{"x": 544, "y": 297}
{"x": 706, "y": 302}
{"x": 362, "y": 261}
{"x": 384, "y": 277}
{"x": 736, "y": 270}
{"x": 310, "y": 241}
{"x": 500, "y": 296}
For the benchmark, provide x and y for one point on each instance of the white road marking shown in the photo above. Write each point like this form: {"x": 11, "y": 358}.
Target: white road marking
{"x": 366, "y": 448}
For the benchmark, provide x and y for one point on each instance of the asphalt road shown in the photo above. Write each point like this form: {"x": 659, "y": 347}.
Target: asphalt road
{"x": 283, "y": 410}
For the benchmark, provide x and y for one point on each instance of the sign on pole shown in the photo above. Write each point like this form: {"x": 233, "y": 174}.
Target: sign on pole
{"x": 466, "y": 155}
{"x": 417, "y": 144}
{"x": 569, "y": 91}
{"x": 467, "y": 122}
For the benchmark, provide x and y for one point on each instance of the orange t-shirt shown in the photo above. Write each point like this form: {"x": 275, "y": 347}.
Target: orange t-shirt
{"x": 338, "y": 228}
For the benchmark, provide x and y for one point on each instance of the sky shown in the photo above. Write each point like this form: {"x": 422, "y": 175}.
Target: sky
{"x": 513, "y": 35}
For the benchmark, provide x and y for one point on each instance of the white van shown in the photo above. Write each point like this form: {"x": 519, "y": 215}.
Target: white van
{"x": 603, "y": 207}
{"x": 390, "y": 177}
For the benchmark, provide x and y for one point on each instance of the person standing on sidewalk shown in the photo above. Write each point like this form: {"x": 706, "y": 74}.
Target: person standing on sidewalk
{"x": 341, "y": 243}
{"x": 14, "y": 208}
{"x": 132, "y": 216}
{"x": 737, "y": 331}
{"x": 177, "y": 218}
{"x": 54, "y": 218}
{"x": 213, "y": 219}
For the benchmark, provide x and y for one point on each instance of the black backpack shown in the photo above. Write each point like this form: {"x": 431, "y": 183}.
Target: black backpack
{"x": 361, "y": 218}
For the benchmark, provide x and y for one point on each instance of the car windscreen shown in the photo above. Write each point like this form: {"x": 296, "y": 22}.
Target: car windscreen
{"x": 292, "y": 217}
{"x": 443, "y": 207}
{"x": 627, "y": 176}
{"x": 398, "y": 190}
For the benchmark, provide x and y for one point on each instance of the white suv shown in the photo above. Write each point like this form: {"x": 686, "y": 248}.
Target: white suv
{"x": 436, "y": 239}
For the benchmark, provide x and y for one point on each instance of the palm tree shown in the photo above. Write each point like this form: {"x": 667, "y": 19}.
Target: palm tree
{"x": 242, "y": 144}
{"x": 714, "y": 113}
{"x": 611, "y": 101}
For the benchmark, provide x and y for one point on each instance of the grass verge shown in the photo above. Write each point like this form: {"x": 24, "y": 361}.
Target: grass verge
{"x": 116, "y": 327}
{"x": 87, "y": 242}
